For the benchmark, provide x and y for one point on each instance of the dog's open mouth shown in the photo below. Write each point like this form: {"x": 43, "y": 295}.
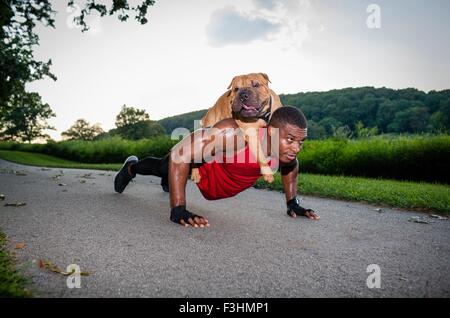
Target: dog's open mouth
{"x": 250, "y": 107}
{"x": 249, "y": 110}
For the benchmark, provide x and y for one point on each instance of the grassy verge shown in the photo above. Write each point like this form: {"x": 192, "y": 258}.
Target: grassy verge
{"x": 12, "y": 284}
{"x": 42, "y": 160}
{"x": 401, "y": 194}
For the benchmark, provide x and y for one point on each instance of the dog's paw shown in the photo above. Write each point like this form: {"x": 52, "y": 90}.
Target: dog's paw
{"x": 195, "y": 175}
{"x": 267, "y": 173}
{"x": 268, "y": 178}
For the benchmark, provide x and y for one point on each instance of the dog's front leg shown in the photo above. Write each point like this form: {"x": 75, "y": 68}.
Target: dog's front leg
{"x": 256, "y": 150}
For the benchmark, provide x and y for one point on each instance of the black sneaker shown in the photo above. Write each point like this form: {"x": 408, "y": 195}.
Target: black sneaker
{"x": 165, "y": 183}
{"x": 123, "y": 177}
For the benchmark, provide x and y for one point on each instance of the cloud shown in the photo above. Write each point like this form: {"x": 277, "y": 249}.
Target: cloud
{"x": 284, "y": 23}
{"x": 229, "y": 26}
{"x": 266, "y": 4}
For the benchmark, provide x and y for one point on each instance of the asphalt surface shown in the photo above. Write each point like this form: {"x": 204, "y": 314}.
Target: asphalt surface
{"x": 252, "y": 249}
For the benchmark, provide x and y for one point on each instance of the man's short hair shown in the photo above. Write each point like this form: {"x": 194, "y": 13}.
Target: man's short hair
{"x": 288, "y": 115}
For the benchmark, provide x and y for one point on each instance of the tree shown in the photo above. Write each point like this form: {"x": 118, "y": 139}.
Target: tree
{"x": 315, "y": 131}
{"x": 17, "y": 65}
{"x": 374, "y": 107}
{"x": 140, "y": 130}
{"x": 365, "y": 132}
{"x": 82, "y": 130}
{"x": 330, "y": 124}
{"x": 413, "y": 120}
{"x": 24, "y": 118}
{"x": 438, "y": 122}
{"x": 122, "y": 7}
{"x": 343, "y": 132}
{"x": 130, "y": 116}
{"x": 18, "y": 20}
{"x": 385, "y": 115}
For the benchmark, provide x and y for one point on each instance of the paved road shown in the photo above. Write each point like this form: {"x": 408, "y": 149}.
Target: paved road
{"x": 252, "y": 249}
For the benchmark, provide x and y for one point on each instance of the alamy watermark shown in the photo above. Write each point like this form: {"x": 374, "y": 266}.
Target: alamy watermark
{"x": 374, "y": 279}
{"x": 222, "y": 144}
{"x": 374, "y": 19}
{"x": 74, "y": 279}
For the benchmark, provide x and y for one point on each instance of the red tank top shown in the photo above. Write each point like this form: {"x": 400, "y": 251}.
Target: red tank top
{"x": 227, "y": 179}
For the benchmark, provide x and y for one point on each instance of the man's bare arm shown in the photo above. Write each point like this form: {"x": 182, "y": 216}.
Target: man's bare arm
{"x": 191, "y": 149}
{"x": 289, "y": 177}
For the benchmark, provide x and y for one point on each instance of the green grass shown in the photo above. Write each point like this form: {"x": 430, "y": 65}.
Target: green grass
{"x": 42, "y": 160}
{"x": 401, "y": 194}
{"x": 12, "y": 284}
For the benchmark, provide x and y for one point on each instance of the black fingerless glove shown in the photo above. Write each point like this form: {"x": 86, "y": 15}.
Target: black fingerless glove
{"x": 179, "y": 213}
{"x": 293, "y": 206}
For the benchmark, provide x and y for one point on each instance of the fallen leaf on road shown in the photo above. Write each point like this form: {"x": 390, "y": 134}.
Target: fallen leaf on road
{"x": 64, "y": 190}
{"x": 435, "y": 216}
{"x": 82, "y": 181}
{"x": 417, "y": 219}
{"x": 378, "y": 210}
{"x": 2, "y": 197}
{"x": 20, "y": 246}
{"x": 20, "y": 173}
{"x": 62, "y": 184}
{"x": 86, "y": 176}
{"x": 16, "y": 204}
{"x": 46, "y": 169}
{"x": 48, "y": 265}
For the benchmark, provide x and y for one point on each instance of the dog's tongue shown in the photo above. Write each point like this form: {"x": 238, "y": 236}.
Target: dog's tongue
{"x": 249, "y": 107}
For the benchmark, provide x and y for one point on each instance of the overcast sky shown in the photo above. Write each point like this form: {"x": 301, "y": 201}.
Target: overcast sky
{"x": 186, "y": 55}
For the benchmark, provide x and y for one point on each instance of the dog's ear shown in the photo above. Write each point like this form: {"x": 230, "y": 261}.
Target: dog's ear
{"x": 231, "y": 84}
{"x": 264, "y": 75}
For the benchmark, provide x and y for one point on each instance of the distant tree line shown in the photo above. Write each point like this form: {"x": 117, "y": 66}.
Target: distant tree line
{"x": 358, "y": 112}
{"x": 367, "y": 111}
{"x": 185, "y": 120}
{"x": 131, "y": 123}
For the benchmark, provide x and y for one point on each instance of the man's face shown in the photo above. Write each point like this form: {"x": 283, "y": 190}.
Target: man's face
{"x": 291, "y": 140}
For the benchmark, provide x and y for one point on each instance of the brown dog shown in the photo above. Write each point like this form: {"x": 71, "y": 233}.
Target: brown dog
{"x": 251, "y": 102}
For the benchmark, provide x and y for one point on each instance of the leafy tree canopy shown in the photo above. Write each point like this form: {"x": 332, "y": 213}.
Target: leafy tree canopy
{"x": 130, "y": 115}
{"x": 18, "y": 19}
{"x": 25, "y": 118}
{"x": 82, "y": 130}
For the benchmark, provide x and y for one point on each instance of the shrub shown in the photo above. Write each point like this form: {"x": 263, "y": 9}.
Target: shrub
{"x": 405, "y": 157}
{"x": 417, "y": 158}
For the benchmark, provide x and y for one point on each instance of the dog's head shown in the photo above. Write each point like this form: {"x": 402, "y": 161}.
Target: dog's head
{"x": 249, "y": 95}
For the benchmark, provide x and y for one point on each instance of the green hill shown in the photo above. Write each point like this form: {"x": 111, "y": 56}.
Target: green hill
{"x": 185, "y": 120}
{"x": 383, "y": 109}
